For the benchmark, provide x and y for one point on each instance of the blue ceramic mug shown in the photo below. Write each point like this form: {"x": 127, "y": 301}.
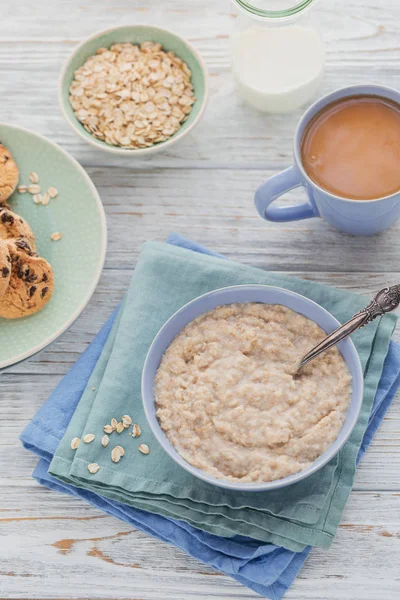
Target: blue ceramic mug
{"x": 356, "y": 217}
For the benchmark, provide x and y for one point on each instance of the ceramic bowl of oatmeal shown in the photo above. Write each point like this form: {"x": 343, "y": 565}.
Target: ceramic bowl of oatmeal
{"x": 133, "y": 90}
{"x": 220, "y": 396}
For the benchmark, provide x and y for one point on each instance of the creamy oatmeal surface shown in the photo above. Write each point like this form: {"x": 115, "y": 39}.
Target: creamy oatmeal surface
{"x": 228, "y": 404}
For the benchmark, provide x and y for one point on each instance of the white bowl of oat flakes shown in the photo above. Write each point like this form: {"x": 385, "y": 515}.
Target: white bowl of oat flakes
{"x": 133, "y": 90}
{"x": 219, "y": 394}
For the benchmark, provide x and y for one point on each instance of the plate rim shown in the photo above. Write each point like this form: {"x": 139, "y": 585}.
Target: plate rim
{"x": 103, "y": 226}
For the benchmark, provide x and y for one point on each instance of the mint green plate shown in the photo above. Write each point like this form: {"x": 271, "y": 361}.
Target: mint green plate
{"x": 77, "y": 259}
{"x": 136, "y": 34}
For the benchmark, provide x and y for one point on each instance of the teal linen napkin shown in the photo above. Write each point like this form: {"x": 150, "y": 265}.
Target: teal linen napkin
{"x": 165, "y": 278}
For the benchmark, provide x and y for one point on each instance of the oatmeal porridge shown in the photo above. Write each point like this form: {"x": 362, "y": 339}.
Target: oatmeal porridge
{"x": 227, "y": 402}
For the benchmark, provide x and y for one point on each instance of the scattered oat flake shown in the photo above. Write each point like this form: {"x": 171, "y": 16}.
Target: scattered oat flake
{"x": 117, "y": 453}
{"x": 93, "y": 389}
{"x": 37, "y": 198}
{"x": 114, "y": 423}
{"x": 120, "y": 427}
{"x": 56, "y": 236}
{"x": 75, "y": 443}
{"x": 93, "y": 468}
{"x": 144, "y": 449}
{"x": 34, "y": 188}
{"x": 22, "y": 189}
{"x": 105, "y": 440}
{"x": 46, "y": 199}
{"x": 136, "y": 431}
{"x": 89, "y": 437}
{"x": 53, "y": 192}
{"x": 126, "y": 421}
{"x": 108, "y": 429}
{"x": 34, "y": 177}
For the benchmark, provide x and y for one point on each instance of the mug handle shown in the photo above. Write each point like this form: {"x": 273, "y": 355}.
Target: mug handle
{"x": 274, "y": 187}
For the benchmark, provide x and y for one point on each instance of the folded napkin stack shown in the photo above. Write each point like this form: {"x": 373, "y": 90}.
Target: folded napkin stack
{"x": 260, "y": 539}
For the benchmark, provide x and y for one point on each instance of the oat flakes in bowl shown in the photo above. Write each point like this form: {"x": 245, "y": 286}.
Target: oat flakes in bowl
{"x": 134, "y": 90}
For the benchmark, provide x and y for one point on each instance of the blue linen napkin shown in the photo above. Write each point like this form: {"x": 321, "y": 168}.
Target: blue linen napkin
{"x": 265, "y": 568}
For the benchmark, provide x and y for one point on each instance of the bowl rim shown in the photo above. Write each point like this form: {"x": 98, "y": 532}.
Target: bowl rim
{"x": 332, "y": 450}
{"x": 130, "y": 151}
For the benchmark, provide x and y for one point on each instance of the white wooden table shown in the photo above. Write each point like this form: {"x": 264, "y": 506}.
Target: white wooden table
{"x": 52, "y": 546}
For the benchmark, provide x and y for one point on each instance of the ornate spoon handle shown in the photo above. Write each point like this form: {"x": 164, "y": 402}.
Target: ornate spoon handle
{"x": 385, "y": 301}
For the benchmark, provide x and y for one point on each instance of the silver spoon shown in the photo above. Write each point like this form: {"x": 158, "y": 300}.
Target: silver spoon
{"x": 385, "y": 301}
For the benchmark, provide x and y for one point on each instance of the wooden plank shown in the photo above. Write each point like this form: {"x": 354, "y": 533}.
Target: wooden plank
{"x": 362, "y": 46}
{"x": 66, "y": 550}
{"x": 58, "y": 358}
{"x": 230, "y": 134}
{"x": 216, "y": 208}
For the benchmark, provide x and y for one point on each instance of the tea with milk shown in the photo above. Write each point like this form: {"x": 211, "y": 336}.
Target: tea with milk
{"x": 351, "y": 148}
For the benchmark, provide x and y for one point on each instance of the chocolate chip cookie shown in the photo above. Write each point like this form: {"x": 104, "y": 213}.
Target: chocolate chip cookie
{"x": 8, "y": 174}
{"x": 12, "y": 226}
{"x": 5, "y": 268}
{"x": 31, "y": 284}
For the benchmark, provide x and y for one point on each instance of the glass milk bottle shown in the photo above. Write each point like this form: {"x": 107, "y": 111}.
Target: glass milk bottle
{"x": 277, "y": 53}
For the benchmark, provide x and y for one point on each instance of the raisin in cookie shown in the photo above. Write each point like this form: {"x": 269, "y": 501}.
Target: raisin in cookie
{"x": 31, "y": 284}
{"x": 5, "y": 267}
{"x": 8, "y": 174}
{"x": 13, "y": 226}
